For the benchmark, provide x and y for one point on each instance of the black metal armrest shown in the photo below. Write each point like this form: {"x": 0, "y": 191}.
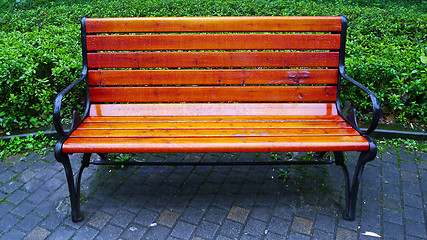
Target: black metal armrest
{"x": 57, "y": 106}
{"x": 374, "y": 99}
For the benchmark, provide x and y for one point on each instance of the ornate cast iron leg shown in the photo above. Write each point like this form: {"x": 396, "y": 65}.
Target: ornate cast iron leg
{"x": 351, "y": 190}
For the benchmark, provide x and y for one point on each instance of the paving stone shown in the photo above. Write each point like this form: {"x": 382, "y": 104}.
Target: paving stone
{"x": 321, "y": 235}
{"x": 122, "y": 218}
{"x": 238, "y": 214}
{"x": 302, "y": 225}
{"x": 393, "y": 216}
{"x": 109, "y": 232}
{"x": 297, "y": 236}
{"x": 261, "y": 213}
{"x": 409, "y": 176}
{"x": 29, "y": 222}
{"x": 192, "y": 215}
{"x": 7, "y": 176}
{"x": 415, "y": 229}
{"x": 345, "y": 234}
{"x": 38, "y": 233}
{"x": 146, "y": 217}
{"x": 13, "y": 234}
{"x": 7, "y": 222}
{"x": 134, "y": 231}
{"x": 391, "y": 190}
{"x": 393, "y": 230}
{"x": 61, "y": 233}
{"x": 411, "y": 188}
{"x": 17, "y": 197}
{"x": 230, "y": 229}
{"x": 412, "y": 200}
{"x": 255, "y": 228}
{"x": 183, "y": 230}
{"x": 279, "y": 226}
{"x": 414, "y": 214}
{"x": 215, "y": 215}
{"x": 325, "y": 223}
{"x": 168, "y": 218}
{"x": 85, "y": 233}
{"x": 370, "y": 219}
{"x": 274, "y": 236}
{"x": 206, "y": 230}
{"x": 38, "y": 196}
{"x": 98, "y": 220}
{"x": 10, "y": 187}
{"x": 201, "y": 201}
{"x": 392, "y": 202}
{"x": 158, "y": 232}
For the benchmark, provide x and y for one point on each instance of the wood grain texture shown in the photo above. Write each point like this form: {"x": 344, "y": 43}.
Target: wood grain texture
{"x": 212, "y": 42}
{"x": 274, "y": 118}
{"x": 223, "y": 144}
{"x": 213, "y": 94}
{"x": 213, "y": 109}
{"x": 212, "y": 59}
{"x": 213, "y": 77}
{"x": 214, "y": 24}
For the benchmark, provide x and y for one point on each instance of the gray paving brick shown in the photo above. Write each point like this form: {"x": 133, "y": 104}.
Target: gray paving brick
{"x": 158, "y": 232}
{"x": 146, "y": 217}
{"x": 38, "y": 196}
{"x": 109, "y": 232}
{"x": 411, "y": 188}
{"x": 261, "y": 213}
{"x": 409, "y": 176}
{"x": 52, "y": 221}
{"x": 44, "y": 209}
{"x": 392, "y": 202}
{"x": 321, "y": 235}
{"x": 255, "y": 227}
{"x": 391, "y": 189}
{"x": 192, "y": 215}
{"x": 393, "y": 230}
{"x": 201, "y": 201}
{"x": 183, "y": 230}
{"x": 17, "y": 197}
{"x": 85, "y": 233}
{"x": 23, "y": 208}
{"x": 414, "y": 214}
{"x": 393, "y": 216}
{"x": 31, "y": 185}
{"x": 274, "y": 236}
{"x": 415, "y": 229}
{"x": 325, "y": 223}
{"x": 412, "y": 200}
{"x": 206, "y": 230}
{"x": 29, "y": 222}
{"x": 122, "y": 218}
{"x": 7, "y": 176}
{"x": 345, "y": 234}
{"x": 279, "y": 226}
{"x": 230, "y": 229}
{"x": 298, "y": 236}
{"x": 134, "y": 231}
{"x": 215, "y": 215}
{"x": 13, "y": 234}
{"x": 10, "y": 187}
{"x": 62, "y": 233}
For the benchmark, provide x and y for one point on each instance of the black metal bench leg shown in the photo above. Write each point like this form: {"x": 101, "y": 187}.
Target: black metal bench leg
{"x": 351, "y": 189}
{"x": 76, "y": 215}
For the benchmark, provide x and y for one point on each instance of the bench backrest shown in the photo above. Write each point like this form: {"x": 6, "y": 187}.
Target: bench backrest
{"x": 213, "y": 59}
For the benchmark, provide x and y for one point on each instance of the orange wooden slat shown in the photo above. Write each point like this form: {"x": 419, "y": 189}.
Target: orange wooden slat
{"x": 279, "y": 118}
{"x": 213, "y": 77}
{"x": 218, "y": 125}
{"x": 248, "y": 132}
{"x": 226, "y": 144}
{"x": 212, "y": 41}
{"x": 212, "y": 59}
{"x": 213, "y": 94}
{"x": 213, "y": 109}
{"x": 214, "y": 24}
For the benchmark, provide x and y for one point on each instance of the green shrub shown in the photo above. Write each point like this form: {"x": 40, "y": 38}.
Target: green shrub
{"x": 40, "y": 48}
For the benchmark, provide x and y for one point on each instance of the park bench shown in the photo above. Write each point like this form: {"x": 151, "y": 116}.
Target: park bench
{"x": 214, "y": 84}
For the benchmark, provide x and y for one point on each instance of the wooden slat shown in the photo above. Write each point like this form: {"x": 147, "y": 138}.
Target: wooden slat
{"x": 219, "y": 125}
{"x": 213, "y": 94}
{"x": 150, "y": 119}
{"x": 212, "y": 41}
{"x": 214, "y": 24}
{"x": 213, "y": 77}
{"x": 226, "y": 144}
{"x": 213, "y": 109}
{"x": 244, "y": 132}
{"x": 212, "y": 59}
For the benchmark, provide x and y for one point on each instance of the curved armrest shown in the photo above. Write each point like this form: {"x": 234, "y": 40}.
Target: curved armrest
{"x": 375, "y": 103}
{"x": 57, "y": 106}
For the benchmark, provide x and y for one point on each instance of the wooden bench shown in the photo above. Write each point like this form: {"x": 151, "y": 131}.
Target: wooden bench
{"x": 214, "y": 84}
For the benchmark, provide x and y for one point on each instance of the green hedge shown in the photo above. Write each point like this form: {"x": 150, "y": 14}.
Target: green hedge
{"x": 40, "y": 48}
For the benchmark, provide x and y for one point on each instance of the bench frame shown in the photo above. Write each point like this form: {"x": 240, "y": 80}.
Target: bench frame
{"x": 351, "y": 186}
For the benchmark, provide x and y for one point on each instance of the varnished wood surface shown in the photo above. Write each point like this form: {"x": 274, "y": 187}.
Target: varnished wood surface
{"x": 223, "y": 144}
{"x": 213, "y": 77}
{"x": 212, "y": 59}
{"x": 214, "y": 24}
{"x": 212, "y": 42}
{"x": 213, "y": 109}
{"x": 213, "y": 94}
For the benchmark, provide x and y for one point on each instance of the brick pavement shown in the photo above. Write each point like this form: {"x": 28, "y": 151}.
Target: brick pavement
{"x": 221, "y": 202}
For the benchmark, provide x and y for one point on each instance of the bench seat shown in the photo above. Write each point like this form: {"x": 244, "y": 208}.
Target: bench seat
{"x": 258, "y": 130}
